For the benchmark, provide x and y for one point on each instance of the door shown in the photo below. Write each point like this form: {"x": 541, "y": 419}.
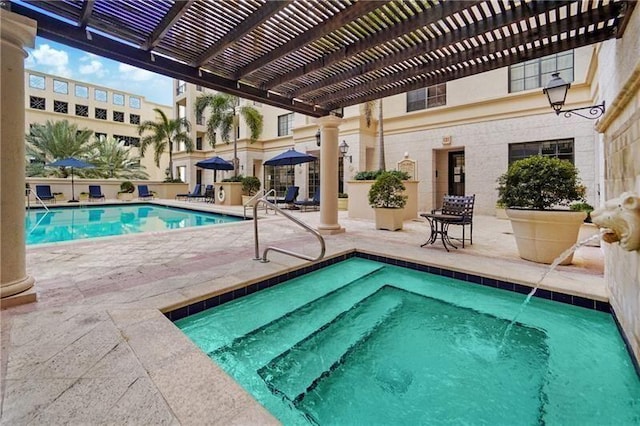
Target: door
{"x": 456, "y": 173}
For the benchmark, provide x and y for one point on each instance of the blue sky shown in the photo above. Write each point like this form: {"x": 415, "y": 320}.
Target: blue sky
{"x": 55, "y": 58}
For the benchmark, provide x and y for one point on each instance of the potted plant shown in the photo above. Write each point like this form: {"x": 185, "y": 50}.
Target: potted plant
{"x": 250, "y": 187}
{"x": 534, "y": 190}
{"x": 84, "y": 196}
{"x": 587, "y": 229}
{"x": 343, "y": 201}
{"x": 59, "y": 196}
{"x": 387, "y": 200}
{"x": 126, "y": 191}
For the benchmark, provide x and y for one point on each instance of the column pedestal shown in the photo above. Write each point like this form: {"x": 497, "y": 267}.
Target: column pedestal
{"x": 329, "y": 175}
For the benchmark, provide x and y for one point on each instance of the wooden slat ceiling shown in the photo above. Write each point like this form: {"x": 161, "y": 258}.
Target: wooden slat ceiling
{"x": 315, "y": 56}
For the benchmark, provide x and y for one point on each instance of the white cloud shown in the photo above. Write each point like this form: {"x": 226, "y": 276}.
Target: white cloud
{"x": 50, "y": 60}
{"x": 94, "y": 67}
{"x": 135, "y": 74}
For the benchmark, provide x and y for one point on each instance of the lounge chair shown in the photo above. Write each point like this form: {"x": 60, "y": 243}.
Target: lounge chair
{"x": 95, "y": 193}
{"x": 143, "y": 192}
{"x": 289, "y": 197}
{"x": 193, "y": 194}
{"x": 313, "y": 203}
{"x": 44, "y": 193}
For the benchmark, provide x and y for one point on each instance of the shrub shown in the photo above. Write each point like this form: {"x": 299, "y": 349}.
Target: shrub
{"x": 386, "y": 192}
{"x": 582, "y": 207}
{"x": 126, "y": 187}
{"x": 250, "y": 185}
{"x": 174, "y": 180}
{"x": 373, "y": 174}
{"x": 233, "y": 179}
{"x": 540, "y": 183}
{"x": 342, "y": 195}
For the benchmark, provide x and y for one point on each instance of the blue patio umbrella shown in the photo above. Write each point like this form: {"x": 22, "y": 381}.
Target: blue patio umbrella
{"x": 290, "y": 157}
{"x": 215, "y": 163}
{"x": 72, "y": 163}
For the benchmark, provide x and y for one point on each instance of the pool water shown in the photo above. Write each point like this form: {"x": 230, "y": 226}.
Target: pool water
{"x": 66, "y": 224}
{"x": 361, "y": 342}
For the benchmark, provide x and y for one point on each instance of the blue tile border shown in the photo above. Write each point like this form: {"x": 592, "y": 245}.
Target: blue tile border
{"x": 211, "y": 302}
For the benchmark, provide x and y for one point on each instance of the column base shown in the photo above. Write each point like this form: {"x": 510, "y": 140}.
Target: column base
{"x": 330, "y": 229}
{"x": 16, "y": 287}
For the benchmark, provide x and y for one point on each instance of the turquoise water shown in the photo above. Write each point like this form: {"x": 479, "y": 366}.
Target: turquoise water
{"x": 362, "y": 342}
{"x": 66, "y": 224}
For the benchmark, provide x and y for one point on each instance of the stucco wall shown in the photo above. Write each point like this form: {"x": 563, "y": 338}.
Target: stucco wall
{"x": 619, "y": 80}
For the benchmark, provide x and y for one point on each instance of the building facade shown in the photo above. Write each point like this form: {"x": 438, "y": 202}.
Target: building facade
{"x": 462, "y": 134}
{"x": 106, "y": 111}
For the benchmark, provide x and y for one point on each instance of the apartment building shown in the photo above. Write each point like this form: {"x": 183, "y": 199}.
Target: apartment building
{"x": 463, "y": 134}
{"x": 106, "y": 111}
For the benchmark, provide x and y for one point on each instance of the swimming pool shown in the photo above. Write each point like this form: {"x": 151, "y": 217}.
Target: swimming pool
{"x": 363, "y": 342}
{"x": 76, "y": 223}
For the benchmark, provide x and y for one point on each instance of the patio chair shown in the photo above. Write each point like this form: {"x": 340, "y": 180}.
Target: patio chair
{"x": 144, "y": 193}
{"x": 95, "y": 193}
{"x": 209, "y": 194}
{"x": 313, "y": 203}
{"x": 193, "y": 194}
{"x": 44, "y": 193}
{"x": 289, "y": 196}
{"x": 456, "y": 210}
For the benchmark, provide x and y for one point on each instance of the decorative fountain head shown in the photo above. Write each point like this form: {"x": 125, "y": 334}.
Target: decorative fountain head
{"x": 620, "y": 218}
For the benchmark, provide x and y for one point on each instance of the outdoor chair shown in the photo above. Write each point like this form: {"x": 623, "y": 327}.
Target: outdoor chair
{"x": 457, "y": 210}
{"x": 44, "y": 193}
{"x": 193, "y": 194}
{"x": 95, "y": 193}
{"x": 313, "y": 203}
{"x": 289, "y": 197}
{"x": 209, "y": 194}
{"x": 143, "y": 192}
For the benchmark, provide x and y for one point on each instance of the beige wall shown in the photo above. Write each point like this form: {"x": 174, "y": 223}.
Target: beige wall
{"x": 620, "y": 87}
{"x": 108, "y": 126}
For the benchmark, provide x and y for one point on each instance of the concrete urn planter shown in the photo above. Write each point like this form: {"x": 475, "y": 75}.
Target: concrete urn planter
{"x": 343, "y": 204}
{"x": 542, "y": 235}
{"x": 125, "y": 196}
{"x": 389, "y": 219}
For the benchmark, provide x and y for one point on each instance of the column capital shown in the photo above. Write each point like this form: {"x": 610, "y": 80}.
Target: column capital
{"x": 329, "y": 121}
{"x": 17, "y": 29}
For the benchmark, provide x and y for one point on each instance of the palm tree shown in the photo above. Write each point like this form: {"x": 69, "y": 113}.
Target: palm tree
{"x": 164, "y": 134}
{"x": 369, "y": 107}
{"x": 225, "y": 113}
{"x": 112, "y": 159}
{"x": 54, "y": 141}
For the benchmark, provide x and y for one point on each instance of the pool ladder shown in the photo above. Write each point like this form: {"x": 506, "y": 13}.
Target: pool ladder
{"x": 30, "y": 191}
{"x": 295, "y": 220}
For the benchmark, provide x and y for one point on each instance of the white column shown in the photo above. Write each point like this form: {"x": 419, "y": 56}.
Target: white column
{"x": 17, "y": 32}
{"x": 329, "y": 175}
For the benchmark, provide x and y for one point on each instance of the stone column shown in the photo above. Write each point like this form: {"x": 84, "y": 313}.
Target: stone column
{"x": 17, "y": 32}
{"x": 329, "y": 175}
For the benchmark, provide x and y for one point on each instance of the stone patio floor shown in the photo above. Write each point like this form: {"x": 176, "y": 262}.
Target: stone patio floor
{"x": 96, "y": 349}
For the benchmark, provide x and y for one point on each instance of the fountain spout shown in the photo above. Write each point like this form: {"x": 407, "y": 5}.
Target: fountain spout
{"x": 620, "y": 218}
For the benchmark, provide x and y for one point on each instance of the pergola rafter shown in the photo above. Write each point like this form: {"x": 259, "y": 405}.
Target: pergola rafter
{"x": 314, "y": 56}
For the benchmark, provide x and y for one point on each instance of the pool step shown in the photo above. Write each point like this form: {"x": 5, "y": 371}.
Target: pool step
{"x": 296, "y": 325}
{"x": 321, "y": 352}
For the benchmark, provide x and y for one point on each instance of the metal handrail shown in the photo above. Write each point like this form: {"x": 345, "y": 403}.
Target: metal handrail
{"x": 259, "y": 194}
{"x": 29, "y": 208}
{"x": 295, "y": 220}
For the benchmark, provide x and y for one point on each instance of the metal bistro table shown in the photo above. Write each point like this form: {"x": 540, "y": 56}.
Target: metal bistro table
{"x": 439, "y": 224}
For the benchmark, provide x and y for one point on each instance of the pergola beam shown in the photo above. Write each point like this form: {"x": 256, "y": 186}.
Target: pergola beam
{"x": 87, "y": 8}
{"x": 174, "y": 14}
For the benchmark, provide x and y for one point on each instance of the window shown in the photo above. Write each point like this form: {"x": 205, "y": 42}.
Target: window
{"x": 118, "y": 99}
{"x": 82, "y": 91}
{"x": 199, "y": 88}
{"x": 182, "y": 87}
{"x": 100, "y": 95}
{"x": 134, "y": 102}
{"x": 82, "y": 110}
{"x": 134, "y": 119}
{"x": 199, "y": 143}
{"x": 61, "y": 107}
{"x": 37, "y": 81}
{"x": 285, "y": 124}
{"x": 559, "y": 148}
{"x": 101, "y": 113}
{"x": 430, "y": 97}
{"x": 536, "y": 73}
{"x": 118, "y": 116}
{"x": 60, "y": 86}
{"x": 100, "y": 135}
{"x": 37, "y": 103}
{"x": 128, "y": 140}
{"x": 199, "y": 118}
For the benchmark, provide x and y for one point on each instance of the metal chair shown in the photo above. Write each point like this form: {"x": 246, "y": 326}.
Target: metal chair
{"x": 456, "y": 210}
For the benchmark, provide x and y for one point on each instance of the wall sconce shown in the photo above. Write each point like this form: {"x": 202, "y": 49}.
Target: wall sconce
{"x": 318, "y": 137}
{"x": 344, "y": 148}
{"x": 556, "y": 91}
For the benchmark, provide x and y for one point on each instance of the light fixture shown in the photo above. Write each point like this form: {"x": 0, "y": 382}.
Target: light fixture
{"x": 556, "y": 91}
{"x": 344, "y": 148}
{"x": 318, "y": 137}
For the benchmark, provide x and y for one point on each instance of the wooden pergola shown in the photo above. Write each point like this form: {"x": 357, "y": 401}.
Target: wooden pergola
{"x": 317, "y": 56}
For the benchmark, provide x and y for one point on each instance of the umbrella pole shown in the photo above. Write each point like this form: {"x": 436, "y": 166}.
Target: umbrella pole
{"x": 73, "y": 194}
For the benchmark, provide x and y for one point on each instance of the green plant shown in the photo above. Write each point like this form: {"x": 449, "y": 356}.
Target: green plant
{"x": 582, "y": 207}
{"x": 174, "y": 180}
{"x": 373, "y": 174}
{"x": 250, "y": 185}
{"x": 540, "y": 183}
{"x": 126, "y": 187}
{"x": 342, "y": 195}
{"x": 386, "y": 192}
{"x": 233, "y": 179}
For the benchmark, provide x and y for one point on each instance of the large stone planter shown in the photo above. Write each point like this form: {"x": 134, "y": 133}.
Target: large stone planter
{"x": 588, "y": 230}
{"x": 125, "y": 196}
{"x": 343, "y": 204}
{"x": 229, "y": 194}
{"x": 542, "y": 236}
{"x": 389, "y": 219}
{"x": 359, "y": 207}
